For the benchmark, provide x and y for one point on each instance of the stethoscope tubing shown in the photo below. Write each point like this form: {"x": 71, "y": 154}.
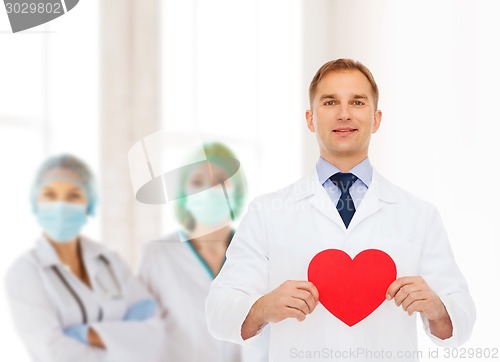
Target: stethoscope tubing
{"x": 75, "y": 295}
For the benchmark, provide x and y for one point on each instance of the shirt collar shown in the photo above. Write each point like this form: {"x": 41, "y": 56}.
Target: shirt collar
{"x": 363, "y": 171}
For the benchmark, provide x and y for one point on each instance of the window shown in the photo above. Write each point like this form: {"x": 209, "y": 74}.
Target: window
{"x": 49, "y": 93}
{"x": 232, "y": 73}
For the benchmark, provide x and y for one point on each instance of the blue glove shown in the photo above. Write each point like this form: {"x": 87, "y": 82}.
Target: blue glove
{"x": 141, "y": 310}
{"x": 79, "y": 332}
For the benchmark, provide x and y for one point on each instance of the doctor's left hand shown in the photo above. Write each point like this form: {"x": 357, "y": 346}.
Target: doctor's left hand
{"x": 84, "y": 334}
{"x": 415, "y": 295}
{"x": 141, "y": 310}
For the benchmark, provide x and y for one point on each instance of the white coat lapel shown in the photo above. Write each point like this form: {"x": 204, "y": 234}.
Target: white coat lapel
{"x": 378, "y": 195}
{"x": 310, "y": 187}
{"x": 45, "y": 253}
{"x": 323, "y": 203}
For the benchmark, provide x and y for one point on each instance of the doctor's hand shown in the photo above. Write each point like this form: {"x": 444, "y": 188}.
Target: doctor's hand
{"x": 84, "y": 334}
{"x": 141, "y": 310}
{"x": 415, "y": 295}
{"x": 79, "y": 332}
{"x": 292, "y": 299}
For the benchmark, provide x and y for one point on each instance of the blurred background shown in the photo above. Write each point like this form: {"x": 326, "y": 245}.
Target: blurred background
{"x": 109, "y": 73}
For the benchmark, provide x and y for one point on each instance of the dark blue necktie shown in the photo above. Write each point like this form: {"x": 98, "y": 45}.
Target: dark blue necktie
{"x": 345, "y": 205}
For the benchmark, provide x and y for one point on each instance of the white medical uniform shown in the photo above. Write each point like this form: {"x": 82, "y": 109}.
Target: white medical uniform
{"x": 180, "y": 281}
{"x": 45, "y": 297}
{"x": 284, "y": 230}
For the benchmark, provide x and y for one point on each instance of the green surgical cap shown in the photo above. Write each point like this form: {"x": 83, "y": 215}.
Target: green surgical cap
{"x": 217, "y": 153}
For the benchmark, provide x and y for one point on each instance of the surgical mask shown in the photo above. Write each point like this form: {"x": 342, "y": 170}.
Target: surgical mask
{"x": 210, "y": 207}
{"x": 62, "y": 221}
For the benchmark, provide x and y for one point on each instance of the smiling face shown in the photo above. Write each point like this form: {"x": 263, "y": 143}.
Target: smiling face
{"x": 343, "y": 116}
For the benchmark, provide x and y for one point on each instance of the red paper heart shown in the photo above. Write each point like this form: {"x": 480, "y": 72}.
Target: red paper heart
{"x": 351, "y": 289}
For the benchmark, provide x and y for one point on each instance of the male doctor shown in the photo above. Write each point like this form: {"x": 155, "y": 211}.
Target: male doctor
{"x": 342, "y": 204}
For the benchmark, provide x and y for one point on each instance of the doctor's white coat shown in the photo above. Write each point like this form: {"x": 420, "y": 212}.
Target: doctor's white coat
{"x": 176, "y": 277}
{"x": 42, "y": 307}
{"x": 284, "y": 230}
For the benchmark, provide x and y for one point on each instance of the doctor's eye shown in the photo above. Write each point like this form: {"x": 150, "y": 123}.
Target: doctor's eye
{"x": 329, "y": 103}
{"x": 48, "y": 195}
{"x": 75, "y": 196}
{"x": 198, "y": 182}
{"x": 358, "y": 103}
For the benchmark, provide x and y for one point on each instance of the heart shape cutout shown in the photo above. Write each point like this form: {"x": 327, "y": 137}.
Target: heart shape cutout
{"x": 351, "y": 289}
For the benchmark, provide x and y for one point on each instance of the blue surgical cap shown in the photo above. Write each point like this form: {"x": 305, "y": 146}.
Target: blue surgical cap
{"x": 68, "y": 168}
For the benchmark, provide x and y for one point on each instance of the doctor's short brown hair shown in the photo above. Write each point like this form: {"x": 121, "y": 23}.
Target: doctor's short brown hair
{"x": 339, "y": 65}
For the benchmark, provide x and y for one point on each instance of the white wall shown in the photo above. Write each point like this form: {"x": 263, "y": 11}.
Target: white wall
{"x": 236, "y": 79}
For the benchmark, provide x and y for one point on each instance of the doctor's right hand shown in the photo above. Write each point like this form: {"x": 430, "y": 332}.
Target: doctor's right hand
{"x": 79, "y": 332}
{"x": 83, "y": 333}
{"x": 292, "y": 299}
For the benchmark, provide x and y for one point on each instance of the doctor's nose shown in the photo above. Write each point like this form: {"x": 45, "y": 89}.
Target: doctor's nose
{"x": 343, "y": 113}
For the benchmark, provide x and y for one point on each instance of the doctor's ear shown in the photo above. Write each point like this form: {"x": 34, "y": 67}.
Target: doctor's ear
{"x": 309, "y": 120}
{"x": 376, "y": 120}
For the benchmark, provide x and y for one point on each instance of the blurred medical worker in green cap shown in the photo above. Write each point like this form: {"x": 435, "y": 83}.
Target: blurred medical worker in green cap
{"x": 179, "y": 268}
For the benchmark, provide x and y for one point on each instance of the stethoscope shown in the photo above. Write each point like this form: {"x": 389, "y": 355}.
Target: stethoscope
{"x": 77, "y": 298}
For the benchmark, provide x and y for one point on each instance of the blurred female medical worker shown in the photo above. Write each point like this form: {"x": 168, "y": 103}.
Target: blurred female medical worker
{"x": 180, "y": 267}
{"x": 71, "y": 298}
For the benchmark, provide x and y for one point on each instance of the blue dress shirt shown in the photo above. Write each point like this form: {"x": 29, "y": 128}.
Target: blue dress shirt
{"x": 363, "y": 171}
